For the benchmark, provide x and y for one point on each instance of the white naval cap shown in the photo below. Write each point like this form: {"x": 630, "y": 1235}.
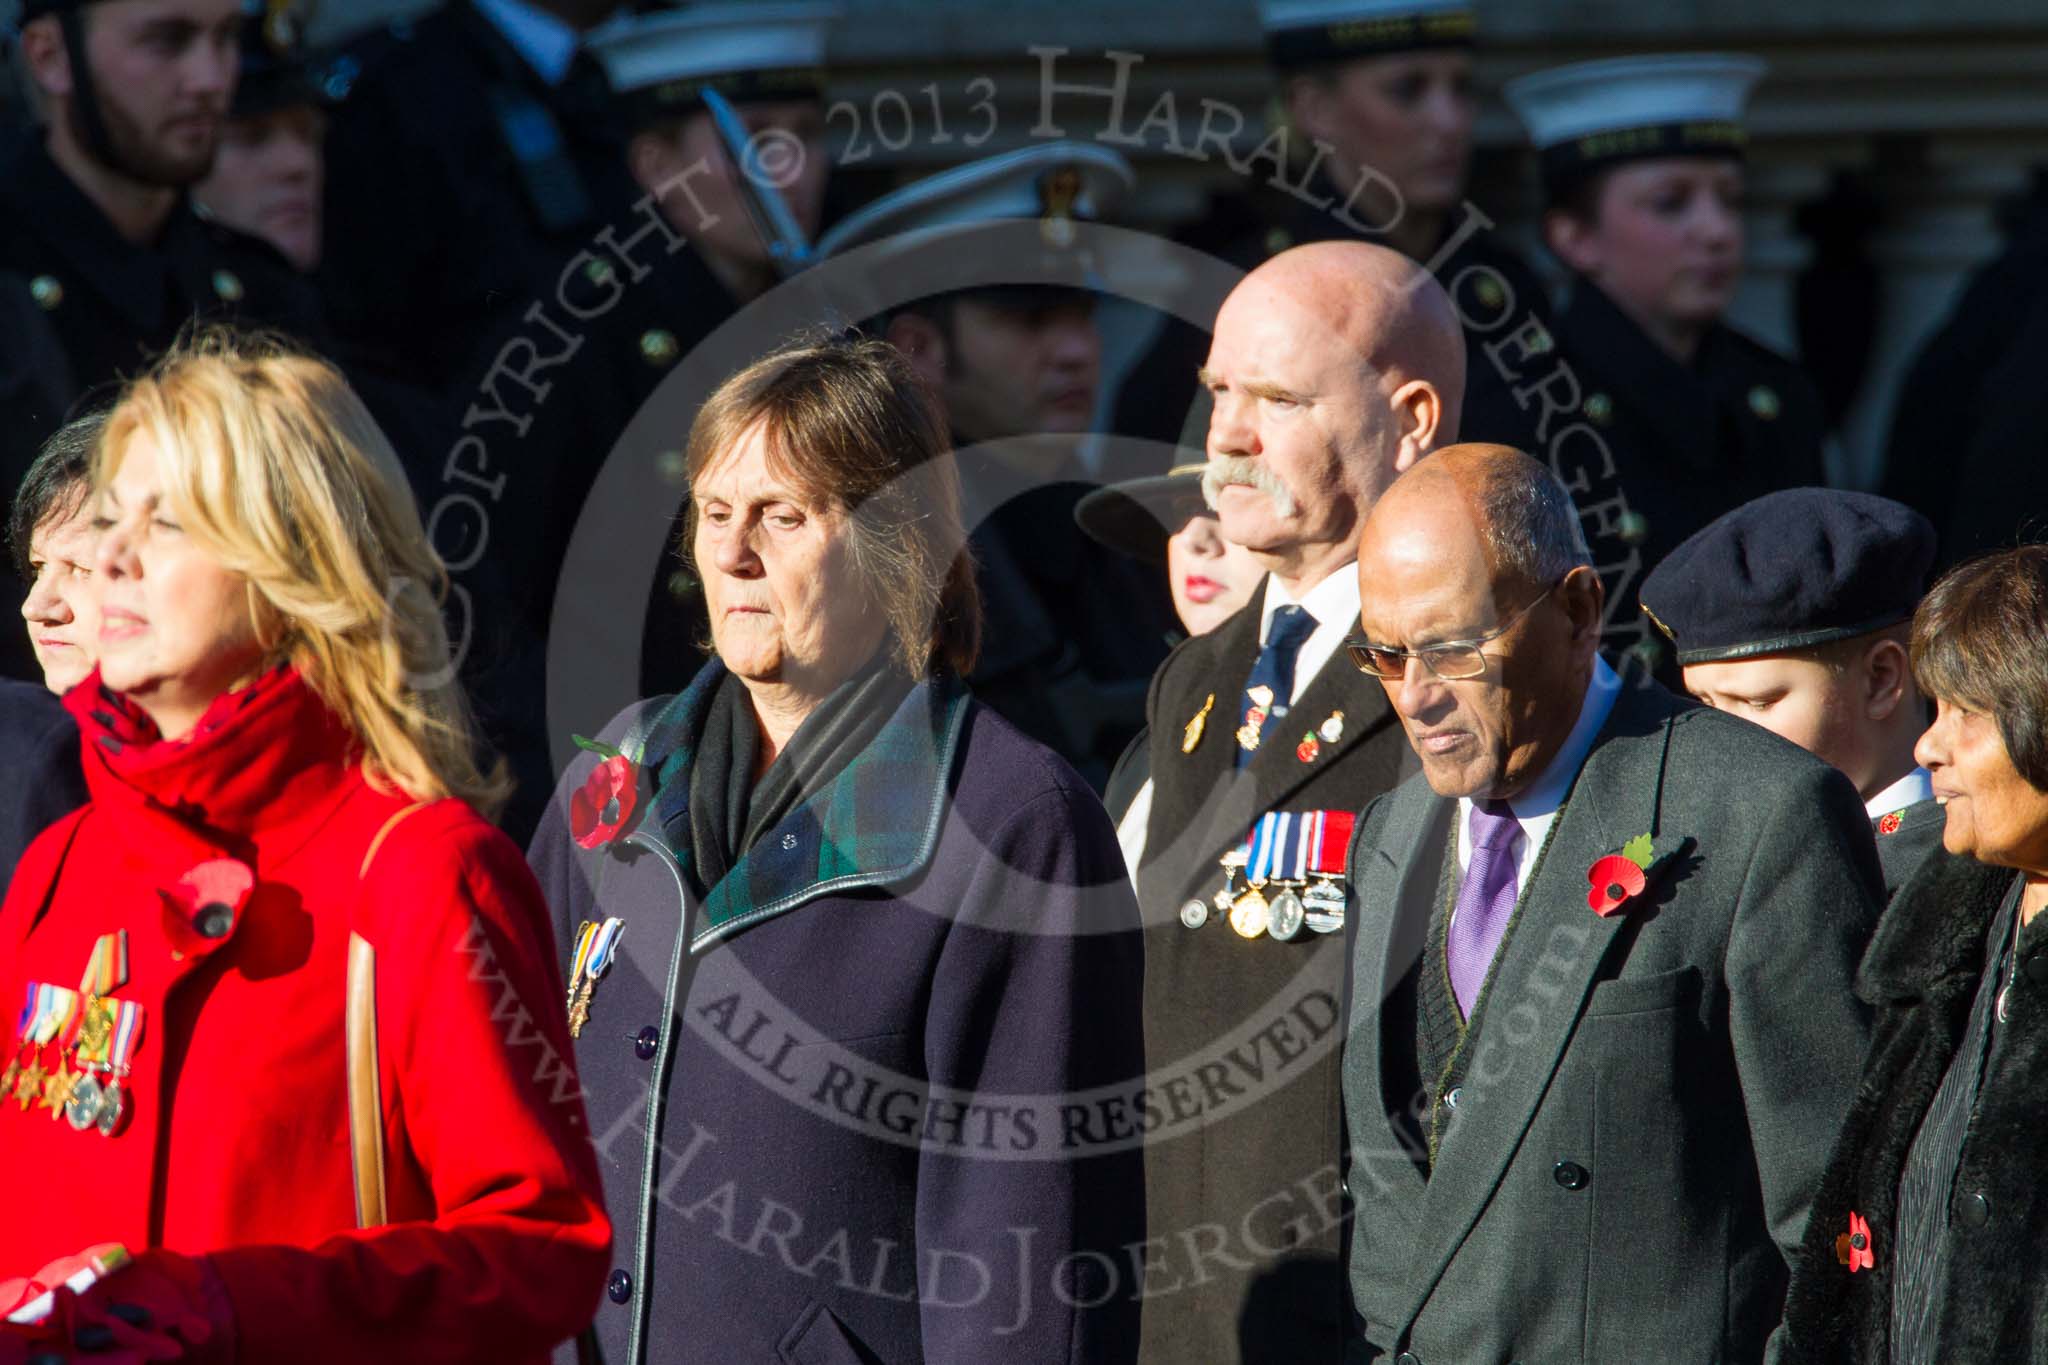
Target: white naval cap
{"x": 661, "y": 61}
{"x": 1312, "y": 32}
{"x": 1592, "y": 114}
{"x": 1053, "y": 183}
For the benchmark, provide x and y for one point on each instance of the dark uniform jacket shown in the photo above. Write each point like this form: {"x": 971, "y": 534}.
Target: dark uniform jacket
{"x": 459, "y": 186}
{"x": 852, "y": 1105}
{"x": 1922, "y": 974}
{"x": 107, "y": 305}
{"x": 1652, "y": 449}
{"x": 35, "y": 389}
{"x": 45, "y": 782}
{"x": 1493, "y": 289}
{"x": 1628, "y": 1138}
{"x": 1905, "y": 839}
{"x": 1072, "y": 630}
{"x": 1240, "y": 1035}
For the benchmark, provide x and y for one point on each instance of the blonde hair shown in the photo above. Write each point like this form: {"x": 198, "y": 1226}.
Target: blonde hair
{"x": 274, "y": 466}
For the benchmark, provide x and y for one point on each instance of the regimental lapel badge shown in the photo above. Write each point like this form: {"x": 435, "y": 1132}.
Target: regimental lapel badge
{"x": 1191, "y": 733}
{"x": 1332, "y": 729}
{"x": 596, "y": 946}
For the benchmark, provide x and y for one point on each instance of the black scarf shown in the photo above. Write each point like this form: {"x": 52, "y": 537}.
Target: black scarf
{"x": 729, "y": 811}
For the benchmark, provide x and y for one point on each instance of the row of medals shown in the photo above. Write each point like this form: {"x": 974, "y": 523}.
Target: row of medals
{"x": 1270, "y": 905}
{"x": 78, "y": 1095}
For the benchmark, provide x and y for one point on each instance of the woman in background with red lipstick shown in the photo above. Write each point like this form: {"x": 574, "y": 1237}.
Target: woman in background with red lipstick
{"x": 1926, "y": 1233}
{"x": 1164, "y": 519}
{"x": 277, "y": 765}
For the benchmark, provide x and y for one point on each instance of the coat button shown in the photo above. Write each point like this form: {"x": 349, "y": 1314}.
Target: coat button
{"x": 619, "y": 1286}
{"x": 1571, "y": 1175}
{"x": 1973, "y": 1210}
{"x": 1452, "y": 1096}
{"x": 2037, "y": 969}
{"x": 1408, "y": 1358}
{"x": 645, "y": 1044}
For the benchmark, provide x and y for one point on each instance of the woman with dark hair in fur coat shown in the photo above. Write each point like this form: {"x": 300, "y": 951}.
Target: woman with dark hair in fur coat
{"x": 1926, "y": 1242}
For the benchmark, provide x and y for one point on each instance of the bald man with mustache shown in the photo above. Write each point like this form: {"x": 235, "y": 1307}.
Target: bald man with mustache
{"x": 1333, "y": 368}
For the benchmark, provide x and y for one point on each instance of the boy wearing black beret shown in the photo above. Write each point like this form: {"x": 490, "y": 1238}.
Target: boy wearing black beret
{"x": 1793, "y": 611}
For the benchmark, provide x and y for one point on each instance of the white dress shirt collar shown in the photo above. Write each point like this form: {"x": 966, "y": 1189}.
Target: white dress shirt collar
{"x": 1334, "y": 604}
{"x": 1537, "y": 806}
{"x": 1913, "y": 788}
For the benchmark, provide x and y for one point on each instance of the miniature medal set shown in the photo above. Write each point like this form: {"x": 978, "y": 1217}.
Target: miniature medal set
{"x": 1287, "y": 876}
{"x": 596, "y": 946}
{"x": 75, "y": 1048}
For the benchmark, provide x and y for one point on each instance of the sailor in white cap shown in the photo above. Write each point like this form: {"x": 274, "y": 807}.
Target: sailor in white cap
{"x": 1642, "y": 161}
{"x": 1073, "y": 630}
{"x": 650, "y": 305}
{"x": 1379, "y": 107}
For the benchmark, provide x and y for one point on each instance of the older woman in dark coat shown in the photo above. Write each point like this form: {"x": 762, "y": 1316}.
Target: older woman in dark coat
{"x": 853, "y": 966}
{"x": 1928, "y": 1234}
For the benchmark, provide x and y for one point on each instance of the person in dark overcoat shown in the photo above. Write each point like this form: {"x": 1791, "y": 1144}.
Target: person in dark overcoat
{"x": 1926, "y": 1232}
{"x": 1657, "y": 414}
{"x": 854, "y": 969}
{"x": 1793, "y": 611}
{"x": 1600, "y": 1032}
{"x": 1334, "y": 366}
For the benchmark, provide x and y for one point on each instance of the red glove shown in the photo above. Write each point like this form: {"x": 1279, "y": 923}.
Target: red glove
{"x": 159, "y": 1307}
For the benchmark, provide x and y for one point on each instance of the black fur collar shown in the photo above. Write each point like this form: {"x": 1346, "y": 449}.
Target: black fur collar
{"x": 1934, "y": 929}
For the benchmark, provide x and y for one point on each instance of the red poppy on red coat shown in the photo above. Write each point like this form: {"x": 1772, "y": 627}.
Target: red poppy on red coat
{"x": 201, "y": 910}
{"x": 1889, "y": 824}
{"x": 602, "y": 809}
{"x": 1615, "y": 879}
{"x": 1852, "y": 1248}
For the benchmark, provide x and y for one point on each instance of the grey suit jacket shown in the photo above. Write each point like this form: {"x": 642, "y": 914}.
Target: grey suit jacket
{"x": 1650, "y": 1097}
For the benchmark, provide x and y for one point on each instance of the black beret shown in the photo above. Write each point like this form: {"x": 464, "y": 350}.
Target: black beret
{"x": 1789, "y": 571}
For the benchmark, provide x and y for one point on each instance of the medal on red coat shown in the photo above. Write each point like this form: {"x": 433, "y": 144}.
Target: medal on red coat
{"x": 112, "y": 1110}
{"x": 49, "y": 1012}
{"x": 596, "y": 945}
{"x": 106, "y": 971}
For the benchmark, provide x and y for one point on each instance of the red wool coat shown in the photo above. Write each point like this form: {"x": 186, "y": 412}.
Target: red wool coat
{"x": 237, "y": 1143}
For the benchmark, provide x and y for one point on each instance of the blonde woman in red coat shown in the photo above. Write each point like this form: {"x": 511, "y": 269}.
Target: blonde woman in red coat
{"x": 272, "y": 699}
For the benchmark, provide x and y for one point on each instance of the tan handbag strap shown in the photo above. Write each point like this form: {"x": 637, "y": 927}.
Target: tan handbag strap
{"x": 359, "y": 1024}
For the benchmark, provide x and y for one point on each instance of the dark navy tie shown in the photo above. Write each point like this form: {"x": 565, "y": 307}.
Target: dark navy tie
{"x": 1271, "y": 686}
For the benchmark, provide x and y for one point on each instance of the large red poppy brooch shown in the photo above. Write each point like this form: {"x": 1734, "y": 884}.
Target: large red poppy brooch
{"x": 1853, "y": 1248}
{"x": 1618, "y": 881}
{"x": 602, "y": 809}
{"x": 201, "y": 908}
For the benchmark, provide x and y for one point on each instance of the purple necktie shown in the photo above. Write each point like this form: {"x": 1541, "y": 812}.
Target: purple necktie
{"x": 1485, "y": 901}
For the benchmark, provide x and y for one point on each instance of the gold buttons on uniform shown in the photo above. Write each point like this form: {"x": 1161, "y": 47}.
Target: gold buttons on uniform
{"x": 598, "y": 272}
{"x": 1764, "y": 402}
{"x": 47, "y": 291}
{"x": 1491, "y": 295}
{"x": 228, "y": 285}
{"x": 658, "y": 346}
{"x": 1600, "y": 409}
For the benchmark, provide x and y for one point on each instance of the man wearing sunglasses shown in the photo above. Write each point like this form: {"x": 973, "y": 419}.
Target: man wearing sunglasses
{"x": 1601, "y": 1029}
{"x": 1333, "y": 367}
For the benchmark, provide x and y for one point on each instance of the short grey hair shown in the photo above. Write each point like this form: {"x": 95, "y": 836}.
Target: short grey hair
{"x": 1532, "y": 525}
